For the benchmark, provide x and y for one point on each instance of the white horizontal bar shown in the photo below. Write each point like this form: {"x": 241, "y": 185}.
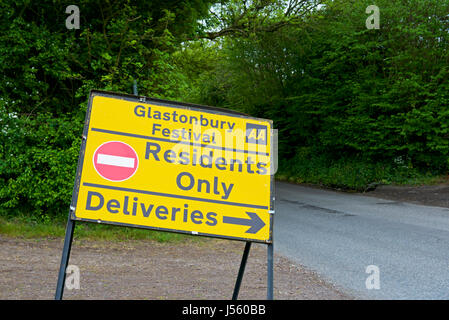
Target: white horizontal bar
{"x": 115, "y": 160}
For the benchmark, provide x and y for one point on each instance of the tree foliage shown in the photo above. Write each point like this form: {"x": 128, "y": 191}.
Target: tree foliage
{"x": 352, "y": 105}
{"x": 47, "y": 70}
{"x": 337, "y": 90}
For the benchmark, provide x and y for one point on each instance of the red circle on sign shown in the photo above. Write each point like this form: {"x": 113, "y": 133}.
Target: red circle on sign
{"x": 115, "y": 161}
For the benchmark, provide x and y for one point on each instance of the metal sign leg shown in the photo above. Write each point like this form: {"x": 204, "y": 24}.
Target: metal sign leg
{"x": 65, "y": 258}
{"x": 135, "y": 92}
{"x": 270, "y": 250}
{"x": 241, "y": 271}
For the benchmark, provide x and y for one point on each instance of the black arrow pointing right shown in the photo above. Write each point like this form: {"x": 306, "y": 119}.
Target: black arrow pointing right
{"x": 254, "y": 222}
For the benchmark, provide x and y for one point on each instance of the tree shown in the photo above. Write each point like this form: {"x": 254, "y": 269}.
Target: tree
{"x": 341, "y": 93}
{"x": 243, "y": 18}
{"x": 47, "y": 70}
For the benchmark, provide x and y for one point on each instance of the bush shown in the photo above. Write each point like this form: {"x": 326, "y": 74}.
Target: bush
{"x": 38, "y": 162}
{"x": 351, "y": 174}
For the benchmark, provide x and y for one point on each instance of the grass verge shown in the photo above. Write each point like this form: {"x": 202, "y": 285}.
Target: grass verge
{"x": 33, "y": 228}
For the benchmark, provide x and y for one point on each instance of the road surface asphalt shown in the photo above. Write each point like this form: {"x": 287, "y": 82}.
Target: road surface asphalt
{"x": 339, "y": 235}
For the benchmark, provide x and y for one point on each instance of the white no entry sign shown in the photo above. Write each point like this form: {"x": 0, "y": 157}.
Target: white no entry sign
{"x": 115, "y": 161}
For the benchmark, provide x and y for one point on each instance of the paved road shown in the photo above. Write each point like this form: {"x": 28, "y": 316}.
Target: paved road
{"x": 338, "y": 235}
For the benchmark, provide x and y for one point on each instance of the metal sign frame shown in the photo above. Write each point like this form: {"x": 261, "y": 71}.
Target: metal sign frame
{"x": 172, "y": 104}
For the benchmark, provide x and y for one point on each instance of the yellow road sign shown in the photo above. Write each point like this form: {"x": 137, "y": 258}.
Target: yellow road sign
{"x": 175, "y": 167}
